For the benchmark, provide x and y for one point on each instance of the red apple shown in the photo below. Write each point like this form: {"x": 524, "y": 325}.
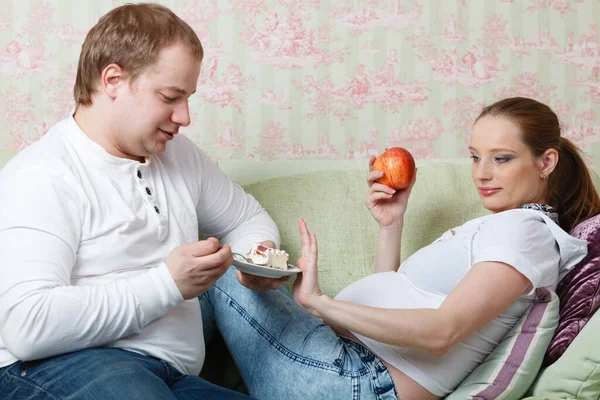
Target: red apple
{"x": 398, "y": 167}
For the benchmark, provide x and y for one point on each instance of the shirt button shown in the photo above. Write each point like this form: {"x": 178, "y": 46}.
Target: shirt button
{"x": 139, "y": 174}
{"x": 148, "y": 191}
{"x": 156, "y": 209}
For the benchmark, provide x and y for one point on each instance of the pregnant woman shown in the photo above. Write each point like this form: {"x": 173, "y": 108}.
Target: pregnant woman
{"x": 416, "y": 330}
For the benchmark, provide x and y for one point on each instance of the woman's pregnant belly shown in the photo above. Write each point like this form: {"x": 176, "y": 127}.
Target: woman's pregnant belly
{"x": 391, "y": 290}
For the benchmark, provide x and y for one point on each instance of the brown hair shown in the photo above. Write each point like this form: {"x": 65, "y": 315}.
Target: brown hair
{"x": 131, "y": 36}
{"x": 570, "y": 187}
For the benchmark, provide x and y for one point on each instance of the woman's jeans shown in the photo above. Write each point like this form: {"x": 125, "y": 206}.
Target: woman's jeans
{"x": 104, "y": 374}
{"x": 282, "y": 352}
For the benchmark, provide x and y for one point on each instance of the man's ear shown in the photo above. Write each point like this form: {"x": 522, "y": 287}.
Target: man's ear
{"x": 548, "y": 161}
{"x": 112, "y": 77}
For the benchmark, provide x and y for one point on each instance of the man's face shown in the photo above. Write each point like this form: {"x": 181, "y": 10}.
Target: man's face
{"x": 150, "y": 111}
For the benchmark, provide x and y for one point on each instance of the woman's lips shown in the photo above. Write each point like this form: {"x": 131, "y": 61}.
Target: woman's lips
{"x": 485, "y": 191}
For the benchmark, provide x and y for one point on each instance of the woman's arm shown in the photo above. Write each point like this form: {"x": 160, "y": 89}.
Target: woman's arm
{"x": 485, "y": 292}
{"x": 388, "y": 247}
{"x": 387, "y": 206}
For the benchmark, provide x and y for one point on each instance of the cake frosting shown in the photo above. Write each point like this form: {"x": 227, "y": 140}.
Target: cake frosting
{"x": 268, "y": 257}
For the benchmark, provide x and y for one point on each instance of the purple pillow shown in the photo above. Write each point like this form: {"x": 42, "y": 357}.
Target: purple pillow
{"x": 578, "y": 291}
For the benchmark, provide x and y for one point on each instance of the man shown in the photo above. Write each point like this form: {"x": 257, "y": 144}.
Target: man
{"x": 99, "y": 223}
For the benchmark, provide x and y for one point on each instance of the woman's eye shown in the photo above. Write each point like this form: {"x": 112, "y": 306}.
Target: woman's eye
{"x": 502, "y": 160}
{"x": 474, "y": 158}
{"x": 168, "y": 99}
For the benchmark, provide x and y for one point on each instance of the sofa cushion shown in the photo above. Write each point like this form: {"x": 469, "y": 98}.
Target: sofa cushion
{"x": 332, "y": 203}
{"x": 513, "y": 365}
{"x": 542, "y": 398}
{"x": 576, "y": 374}
{"x": 579, "y": 291}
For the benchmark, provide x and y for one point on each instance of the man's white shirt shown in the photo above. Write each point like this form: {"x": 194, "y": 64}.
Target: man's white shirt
{"x": 84, "y": 236}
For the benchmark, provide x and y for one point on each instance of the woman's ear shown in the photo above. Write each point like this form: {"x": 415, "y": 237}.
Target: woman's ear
{"x": 548, "y": 161}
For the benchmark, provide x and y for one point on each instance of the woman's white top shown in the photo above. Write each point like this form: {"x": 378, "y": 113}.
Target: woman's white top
{"x": 526, "y": 239}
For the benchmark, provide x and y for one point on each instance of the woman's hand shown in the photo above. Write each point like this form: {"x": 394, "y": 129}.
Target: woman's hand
{"x": 306, "y": 289}
{"x": 386, "y": 205}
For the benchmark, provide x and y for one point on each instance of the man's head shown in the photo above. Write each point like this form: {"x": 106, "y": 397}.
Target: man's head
{"x": 132, "y": 37}
{"x": 138, "y": 67}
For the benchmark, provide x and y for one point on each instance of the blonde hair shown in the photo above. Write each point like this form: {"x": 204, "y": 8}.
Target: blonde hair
{"x": 131, "y": 36}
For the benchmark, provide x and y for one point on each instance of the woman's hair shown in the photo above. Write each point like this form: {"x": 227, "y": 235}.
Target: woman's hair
{"x": 570, "y": 187}
{"x": 131, "y": 36}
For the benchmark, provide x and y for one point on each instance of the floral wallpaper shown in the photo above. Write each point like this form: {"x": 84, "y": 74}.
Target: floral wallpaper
{"x": 329, "y": 79}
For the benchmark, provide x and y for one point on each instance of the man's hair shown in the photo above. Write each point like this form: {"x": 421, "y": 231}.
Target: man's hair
{"x": 131, "y": 36}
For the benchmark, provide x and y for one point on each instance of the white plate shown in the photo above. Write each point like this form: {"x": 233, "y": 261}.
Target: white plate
{"x": 259, "y": 270}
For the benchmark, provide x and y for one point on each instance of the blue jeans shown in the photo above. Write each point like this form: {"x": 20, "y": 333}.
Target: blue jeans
{"x": 104, "y": 374}
{"x": 282, "y": 352}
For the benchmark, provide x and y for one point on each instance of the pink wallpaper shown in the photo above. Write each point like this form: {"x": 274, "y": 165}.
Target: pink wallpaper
{"x": 319, "y": 79}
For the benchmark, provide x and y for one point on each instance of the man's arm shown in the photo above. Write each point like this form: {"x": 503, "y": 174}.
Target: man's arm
{"x": 226, "y": 211}
{"x": 41, "y": 314}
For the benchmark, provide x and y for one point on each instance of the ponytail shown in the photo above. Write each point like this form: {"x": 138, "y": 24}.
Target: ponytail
{"x": 571, "y": 189}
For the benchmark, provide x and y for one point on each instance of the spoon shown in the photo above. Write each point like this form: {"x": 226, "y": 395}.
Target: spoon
{"x": 241, "y": 256}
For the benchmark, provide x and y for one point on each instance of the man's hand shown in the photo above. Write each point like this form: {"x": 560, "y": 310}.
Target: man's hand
{"x": 196, "y": 266}
{"x": 260, "y": 283}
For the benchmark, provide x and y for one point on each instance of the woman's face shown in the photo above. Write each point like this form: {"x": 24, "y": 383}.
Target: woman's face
{"x": 505, "y": 172}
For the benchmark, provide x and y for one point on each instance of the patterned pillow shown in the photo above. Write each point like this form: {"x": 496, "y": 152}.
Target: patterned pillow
{"x": 578, "y": 291}
{"x": 512, "y": 367}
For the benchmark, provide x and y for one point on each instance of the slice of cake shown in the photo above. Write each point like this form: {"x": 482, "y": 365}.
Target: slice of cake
{"x": 268, "y": 257}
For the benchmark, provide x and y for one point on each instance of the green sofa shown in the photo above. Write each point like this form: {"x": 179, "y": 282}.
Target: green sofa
{"x": 330, "y": 196}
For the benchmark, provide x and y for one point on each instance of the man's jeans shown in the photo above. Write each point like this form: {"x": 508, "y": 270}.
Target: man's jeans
{"x": 104, "y": 374}
{"x": 282, "y": 352}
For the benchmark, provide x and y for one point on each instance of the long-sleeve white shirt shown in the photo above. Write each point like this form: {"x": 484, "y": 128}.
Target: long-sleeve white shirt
{"x": 83, "y": 238}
